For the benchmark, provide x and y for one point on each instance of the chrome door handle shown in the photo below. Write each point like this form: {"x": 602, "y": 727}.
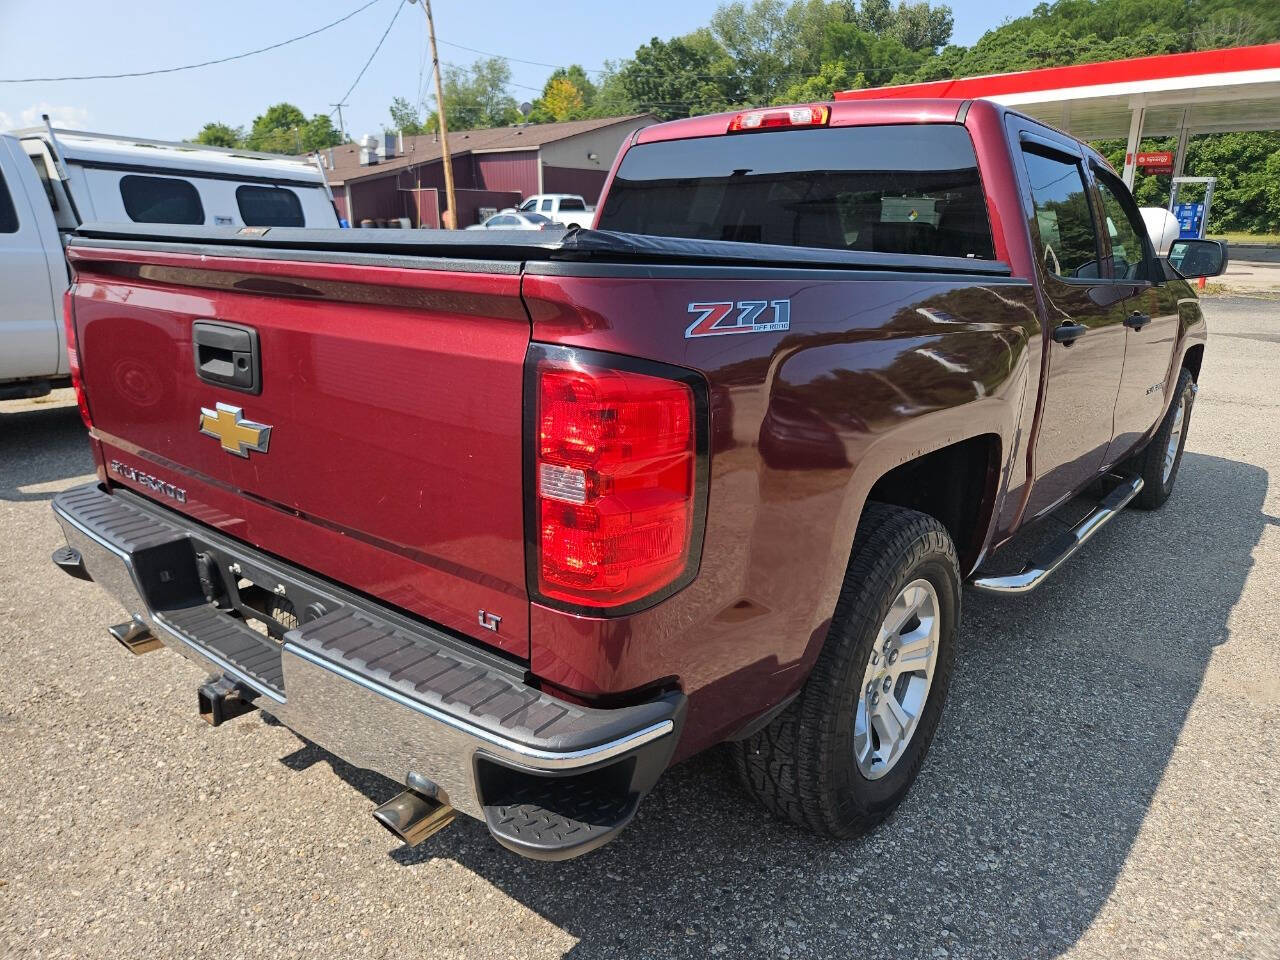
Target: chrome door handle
{"x": 1069, "y": 332}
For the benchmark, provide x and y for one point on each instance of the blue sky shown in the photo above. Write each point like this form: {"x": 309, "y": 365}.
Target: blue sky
{"x": 81, "y": 37}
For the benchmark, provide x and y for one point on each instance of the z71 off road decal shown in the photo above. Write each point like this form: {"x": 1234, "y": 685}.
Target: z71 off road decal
{"x": 745, "y": 316}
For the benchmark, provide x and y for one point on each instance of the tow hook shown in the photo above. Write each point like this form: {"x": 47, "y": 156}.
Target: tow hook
{"x": 221, "y": 699}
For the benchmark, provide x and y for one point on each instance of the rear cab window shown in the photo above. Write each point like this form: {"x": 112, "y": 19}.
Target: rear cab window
{"x": 160, "y": 200}
{"x": 269, "y": 207}
{"x": 906, "y": 189}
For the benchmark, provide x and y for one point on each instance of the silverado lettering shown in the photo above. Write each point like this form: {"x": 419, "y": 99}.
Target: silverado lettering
{"x": 148, "y": 481}
{"x": 761, "y": 540}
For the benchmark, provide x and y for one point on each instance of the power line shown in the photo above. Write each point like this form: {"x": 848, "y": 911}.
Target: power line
{"x": 194, "y": 66}
{"x": 531, "y": 63}
{"x": 399, "y": 7}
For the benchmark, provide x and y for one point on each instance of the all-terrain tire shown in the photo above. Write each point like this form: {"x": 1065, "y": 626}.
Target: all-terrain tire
{"x": 801, "y": 766}
{"x": 1150, "y": 463}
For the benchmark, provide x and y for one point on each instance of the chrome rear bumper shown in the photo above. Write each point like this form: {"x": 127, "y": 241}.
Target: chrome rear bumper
{"x": 374, "y": 687}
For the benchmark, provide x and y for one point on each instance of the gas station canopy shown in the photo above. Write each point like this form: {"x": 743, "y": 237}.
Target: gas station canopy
{"x": 1171, "y": 95}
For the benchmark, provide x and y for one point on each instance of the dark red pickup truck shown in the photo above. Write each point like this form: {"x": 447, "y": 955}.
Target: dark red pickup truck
{"x": 520, "y": 520}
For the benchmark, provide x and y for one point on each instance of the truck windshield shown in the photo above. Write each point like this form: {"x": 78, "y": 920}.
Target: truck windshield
{"x": 911, "y": 189}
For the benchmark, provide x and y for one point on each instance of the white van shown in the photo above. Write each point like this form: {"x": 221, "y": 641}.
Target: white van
{"x": 125, "y": 179}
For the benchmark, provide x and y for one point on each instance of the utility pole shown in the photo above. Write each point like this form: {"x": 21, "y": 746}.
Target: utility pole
{"x": 451, "y": 214}
{"x": 342, "y": 127}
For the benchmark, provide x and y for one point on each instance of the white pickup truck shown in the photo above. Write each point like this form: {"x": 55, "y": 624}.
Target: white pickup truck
{"x": 33, "y": 276}
{"x": 51, "y": 181}
{"x": 568, "y": 209}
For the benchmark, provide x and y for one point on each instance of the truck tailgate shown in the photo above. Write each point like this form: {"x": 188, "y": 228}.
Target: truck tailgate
{"x": 393, "y": 397}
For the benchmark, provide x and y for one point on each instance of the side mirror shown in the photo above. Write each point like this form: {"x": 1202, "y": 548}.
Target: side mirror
{"x": 1198, "y": 258}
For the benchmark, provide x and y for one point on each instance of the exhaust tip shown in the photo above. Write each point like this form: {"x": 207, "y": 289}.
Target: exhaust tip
{"x": 134, "y": 636}
{"x": 413, "y": 817}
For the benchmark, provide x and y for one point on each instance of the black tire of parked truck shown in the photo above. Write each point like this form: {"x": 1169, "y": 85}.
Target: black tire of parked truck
{"x": 1157, "y": 482}
{"x": 802, "y": 766}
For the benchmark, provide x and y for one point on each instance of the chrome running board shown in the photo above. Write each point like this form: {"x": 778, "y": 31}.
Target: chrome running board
{"x": 1061, "y": 548}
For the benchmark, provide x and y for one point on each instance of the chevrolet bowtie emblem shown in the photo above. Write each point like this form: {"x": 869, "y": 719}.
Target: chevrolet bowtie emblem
{"x": 236, "y": 434}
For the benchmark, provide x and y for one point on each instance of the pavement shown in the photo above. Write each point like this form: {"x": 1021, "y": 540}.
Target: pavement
{"x": 1248, "y": 277}
{"x": 1105, "y": 782}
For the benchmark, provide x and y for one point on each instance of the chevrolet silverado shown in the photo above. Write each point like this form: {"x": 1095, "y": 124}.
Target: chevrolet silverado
{"x": 521, "y": 520}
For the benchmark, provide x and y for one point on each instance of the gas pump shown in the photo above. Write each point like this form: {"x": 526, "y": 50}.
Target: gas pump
{"x": 1193, "y": 218}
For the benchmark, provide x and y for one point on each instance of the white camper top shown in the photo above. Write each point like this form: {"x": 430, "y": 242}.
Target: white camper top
{"x": 99, "y": 149}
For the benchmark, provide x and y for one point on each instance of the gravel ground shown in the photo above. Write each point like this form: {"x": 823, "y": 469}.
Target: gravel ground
{"x": 1106, "y": 780}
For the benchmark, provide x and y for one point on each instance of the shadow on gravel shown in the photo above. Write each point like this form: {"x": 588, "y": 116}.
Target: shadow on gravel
{"x": 1064, "y": 710}
{"x": 41, "y": 446}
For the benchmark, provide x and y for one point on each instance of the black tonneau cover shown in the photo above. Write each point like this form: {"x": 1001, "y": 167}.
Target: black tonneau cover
{"x": 571, "y": 245}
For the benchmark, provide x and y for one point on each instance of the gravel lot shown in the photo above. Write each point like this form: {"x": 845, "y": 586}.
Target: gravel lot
{"x": 1106, "y": 781}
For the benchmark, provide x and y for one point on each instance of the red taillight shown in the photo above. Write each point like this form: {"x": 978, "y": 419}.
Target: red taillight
{"x": 780, "y": 117}
{"x": 615, "y": 482}
{"x": 73, "y": 358}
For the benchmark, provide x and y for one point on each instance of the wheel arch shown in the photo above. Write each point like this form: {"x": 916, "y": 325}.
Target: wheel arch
{"x": 1192, "y": 359}
{"x": 956, "y": 484}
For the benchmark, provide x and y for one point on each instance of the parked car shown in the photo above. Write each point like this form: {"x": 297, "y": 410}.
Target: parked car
{"x": 514, "y": 221}
{"x": 519, "y": 521}
{"x": 568, "y": 209}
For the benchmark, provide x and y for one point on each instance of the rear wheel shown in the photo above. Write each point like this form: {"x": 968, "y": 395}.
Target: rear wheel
{"x": 843, "y": 755}
{"x": 1158, "y": 463}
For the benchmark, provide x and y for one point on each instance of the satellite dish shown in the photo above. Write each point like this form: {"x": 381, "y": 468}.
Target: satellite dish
{"x": 526, "y": 108}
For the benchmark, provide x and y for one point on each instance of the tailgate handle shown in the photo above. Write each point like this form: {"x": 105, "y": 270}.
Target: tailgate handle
{"x": 226, "y": 355}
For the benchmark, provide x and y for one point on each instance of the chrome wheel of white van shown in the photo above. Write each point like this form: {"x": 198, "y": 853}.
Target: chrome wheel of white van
{"x": 895, "y": 685}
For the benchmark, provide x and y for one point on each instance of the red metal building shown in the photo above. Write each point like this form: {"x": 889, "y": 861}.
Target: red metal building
{"x": 494, "y": 168}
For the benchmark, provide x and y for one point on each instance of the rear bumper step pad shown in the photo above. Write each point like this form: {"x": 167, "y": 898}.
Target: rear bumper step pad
{"x": 377, "y": 688}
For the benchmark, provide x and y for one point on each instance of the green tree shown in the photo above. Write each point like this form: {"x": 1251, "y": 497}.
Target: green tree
{"x": 277, "y": 130}
{"x": 917, "y": 26}
{"x": 319, "y": 132}
{"x": 406, "y": 118}
{"x": 829, "y": 78}
{"x": 220, "y": 135}
{"x": 478, "y": 96}
{"x": 568, "y": 94}
{"x": 674, "y": 78}
{"x": 283, "y": 128}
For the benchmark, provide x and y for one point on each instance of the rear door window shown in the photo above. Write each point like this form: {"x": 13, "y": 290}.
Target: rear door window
{"x": 1067, "y": 239}
{"x": 269, "y": 207}
{"x": 160, "y": 200}
{"x": 8, "y": 215}
{"x": 911, "y": 189}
